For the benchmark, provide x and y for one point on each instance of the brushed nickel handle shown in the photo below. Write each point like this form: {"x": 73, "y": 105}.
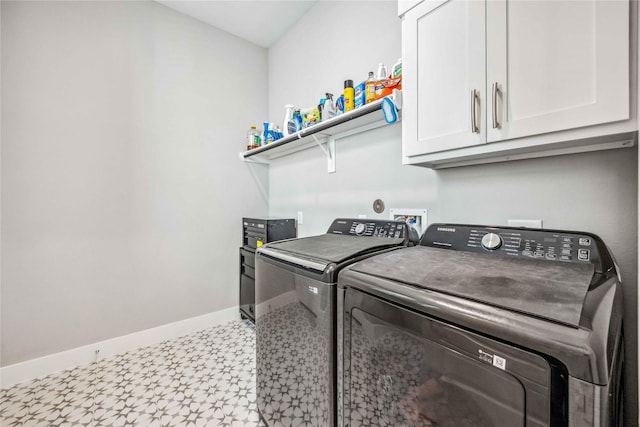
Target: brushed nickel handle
{"x": 474, "y": 112}
{"x": 494, "y": 91}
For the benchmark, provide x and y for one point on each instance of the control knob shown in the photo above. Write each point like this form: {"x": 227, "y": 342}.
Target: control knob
{"x": 360, "y": 229}
{"x": 491, "y": 241}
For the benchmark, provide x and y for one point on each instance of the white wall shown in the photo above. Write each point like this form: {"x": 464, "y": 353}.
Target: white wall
{"x": 121, "y": 188}
{"x": 333, "y": 42}
{"x": 122, "y": 191}
{"x": 594, "y": 192}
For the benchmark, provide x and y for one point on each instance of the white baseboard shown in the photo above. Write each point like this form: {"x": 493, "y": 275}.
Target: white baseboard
{"x": 34, "y": 368}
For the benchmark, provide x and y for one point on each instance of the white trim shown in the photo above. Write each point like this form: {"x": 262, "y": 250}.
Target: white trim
{"x": 68, "y": 359}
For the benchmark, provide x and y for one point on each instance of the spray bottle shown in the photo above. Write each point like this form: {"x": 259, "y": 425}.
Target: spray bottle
{"x": 288, "y": 114}
{"x": 328, "y": 111}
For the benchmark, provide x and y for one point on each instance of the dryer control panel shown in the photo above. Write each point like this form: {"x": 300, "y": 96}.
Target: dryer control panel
{"x": 369, "y": 228}
{"x": 548, "y": 245}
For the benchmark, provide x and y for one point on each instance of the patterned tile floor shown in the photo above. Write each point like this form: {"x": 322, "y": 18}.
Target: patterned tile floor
{"x": 203, "y": 379}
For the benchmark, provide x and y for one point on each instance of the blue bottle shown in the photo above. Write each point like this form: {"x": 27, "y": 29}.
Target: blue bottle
{"x": 340, "y": 105}
{"x": 295, "y": 124}
{"x": 265, "y": 133}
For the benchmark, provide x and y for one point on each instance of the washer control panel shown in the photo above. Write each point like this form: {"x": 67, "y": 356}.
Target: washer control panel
{"x": 369, "y": 228}
{"x": 549, "y": 245}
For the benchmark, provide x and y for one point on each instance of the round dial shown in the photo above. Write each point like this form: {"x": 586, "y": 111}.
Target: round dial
{"x": 491, "y": 241}
{"x": 360, "y": 229}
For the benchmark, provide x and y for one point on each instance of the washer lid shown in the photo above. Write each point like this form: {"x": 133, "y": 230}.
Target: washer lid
{"x": 334, "y": 248}
{"x": 553, "y": 291}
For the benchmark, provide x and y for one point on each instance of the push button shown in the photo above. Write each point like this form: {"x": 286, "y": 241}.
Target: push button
{"x": 585, "y": 241}
{"x": 583, "y": 254}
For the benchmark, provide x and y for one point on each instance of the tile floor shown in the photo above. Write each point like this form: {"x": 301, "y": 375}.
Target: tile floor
{"x": 203, "y": 379}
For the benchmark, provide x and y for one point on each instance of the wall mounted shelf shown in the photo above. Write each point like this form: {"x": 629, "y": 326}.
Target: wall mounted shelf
{"x": 324, "y": 134}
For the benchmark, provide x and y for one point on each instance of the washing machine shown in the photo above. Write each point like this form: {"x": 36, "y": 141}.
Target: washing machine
{"x": 296, "y": 317}
{"x": 483, "y": 326}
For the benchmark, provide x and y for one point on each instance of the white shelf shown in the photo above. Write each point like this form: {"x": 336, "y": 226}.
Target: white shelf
{"x": 323, "y": 134}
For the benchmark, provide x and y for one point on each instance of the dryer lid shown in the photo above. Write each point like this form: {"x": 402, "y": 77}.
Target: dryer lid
{"x": 553, "y": 291}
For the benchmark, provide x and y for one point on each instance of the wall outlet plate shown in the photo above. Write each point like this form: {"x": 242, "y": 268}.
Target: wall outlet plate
{"x": 529, "y": 223}
{"x": 416, "y": 218}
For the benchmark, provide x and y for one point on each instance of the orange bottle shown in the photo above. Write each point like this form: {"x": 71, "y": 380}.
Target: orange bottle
{"x": 370, "y": 89}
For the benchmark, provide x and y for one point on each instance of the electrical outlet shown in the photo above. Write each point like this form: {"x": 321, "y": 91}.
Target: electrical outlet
{"x": 529, "y": 223}
{"x": 300, "y": 217}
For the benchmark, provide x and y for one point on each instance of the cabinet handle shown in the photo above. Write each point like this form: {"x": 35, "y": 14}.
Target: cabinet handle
{"x": 474, "y": 112}
{"x": 494, "y": 91}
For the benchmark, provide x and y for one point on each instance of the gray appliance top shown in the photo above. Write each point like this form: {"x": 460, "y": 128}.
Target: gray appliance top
{"x": 549, "y": 290}
{"x": 345, "y": 239}
{"x": 333, "y": 248}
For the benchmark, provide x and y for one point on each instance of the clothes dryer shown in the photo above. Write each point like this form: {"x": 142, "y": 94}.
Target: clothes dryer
{"x": 483, "y": 326}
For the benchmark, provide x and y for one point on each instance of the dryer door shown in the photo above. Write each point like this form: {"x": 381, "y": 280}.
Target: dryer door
{"x": 403, "y": 368}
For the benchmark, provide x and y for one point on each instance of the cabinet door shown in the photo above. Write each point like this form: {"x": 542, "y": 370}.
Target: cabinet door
{"x": 557, "y": 64}
{"x": 443, "y": 44}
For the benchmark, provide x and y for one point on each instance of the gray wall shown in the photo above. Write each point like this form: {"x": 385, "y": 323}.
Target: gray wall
{"x": 594, "y": 192}
{"x": 122, "y": 191}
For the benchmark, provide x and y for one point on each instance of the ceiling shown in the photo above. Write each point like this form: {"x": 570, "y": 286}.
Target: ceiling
{"x": 261, "y": 22}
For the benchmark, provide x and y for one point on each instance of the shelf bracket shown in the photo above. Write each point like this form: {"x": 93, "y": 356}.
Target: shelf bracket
{"x": 252, "y": 160}
{"x": 329, "y": 152}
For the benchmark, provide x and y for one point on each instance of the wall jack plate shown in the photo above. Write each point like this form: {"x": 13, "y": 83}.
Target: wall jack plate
{"x": 416, "y": 218}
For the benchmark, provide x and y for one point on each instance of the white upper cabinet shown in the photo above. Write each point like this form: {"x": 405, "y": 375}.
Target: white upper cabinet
{"x": 556, "y": 65}
{"x": 508, "y": 78}
{"x": 444, "y": 85}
